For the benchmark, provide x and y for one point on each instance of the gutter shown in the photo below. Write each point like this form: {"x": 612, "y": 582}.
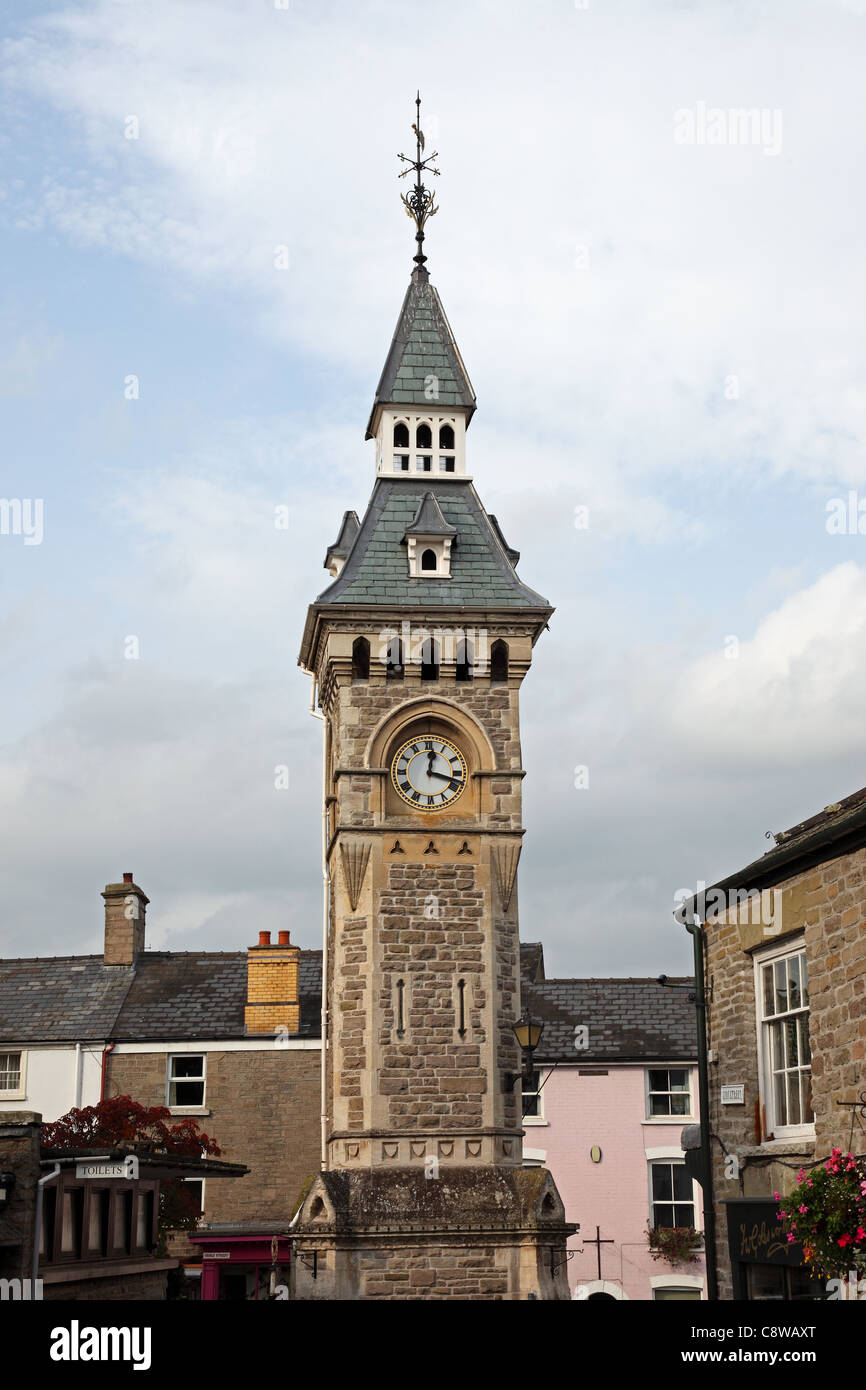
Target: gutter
{"x": 106, "y": 1053}
{"x": 37, "y": 1229}
{"x": 326, "y": 912}
{"x": 695, "y": 930}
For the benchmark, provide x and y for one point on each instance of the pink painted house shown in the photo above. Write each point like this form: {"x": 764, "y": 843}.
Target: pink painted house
{"x": 616, "y": 1075}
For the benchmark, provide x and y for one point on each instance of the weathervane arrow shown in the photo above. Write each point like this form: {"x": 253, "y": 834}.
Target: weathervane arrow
{"x": 420, "y": 204}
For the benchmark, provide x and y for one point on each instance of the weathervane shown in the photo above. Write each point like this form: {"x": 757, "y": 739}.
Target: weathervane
{"x": 420, "y": 203}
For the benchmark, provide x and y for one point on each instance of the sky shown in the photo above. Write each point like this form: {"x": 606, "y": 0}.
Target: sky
{"x": 660, "y": 306}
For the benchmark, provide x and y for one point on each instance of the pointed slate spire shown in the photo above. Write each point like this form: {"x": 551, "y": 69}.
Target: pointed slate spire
{"x": 428, "y": 520}
{"x": 424, "y": 366}
{"x": 337, "y": 554}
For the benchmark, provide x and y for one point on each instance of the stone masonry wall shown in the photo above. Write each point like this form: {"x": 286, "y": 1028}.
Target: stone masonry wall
{"x": 825, "y": 906}
{"x": 263, "y": 1111}
{"x": 431, "y": 937}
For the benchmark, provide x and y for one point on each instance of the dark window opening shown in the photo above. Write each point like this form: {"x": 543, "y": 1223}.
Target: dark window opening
{"x": 360, "y": 659}
{"x": 401, "y": 436}
{"x": 423, "y": 437}
{"x": 423, "y": 463}
{"x": 446, "y": 437}
{"x": 144, "y": 1221}
{"x": 446, "y": 465}
{"x": 49, "y": 1210}
{"x": 461, "y": 1008}
{"x": 400, "y": 1024}
{"x": 499, "y": 661}
{"x": 465, "y": 660}
{"x": 428, "y": 560}
{"x": 394, "y": 660}
{"x": 429, "y": 660}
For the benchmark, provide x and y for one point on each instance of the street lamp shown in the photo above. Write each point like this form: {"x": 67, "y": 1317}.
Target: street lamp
{"x": 528, "y": 1034}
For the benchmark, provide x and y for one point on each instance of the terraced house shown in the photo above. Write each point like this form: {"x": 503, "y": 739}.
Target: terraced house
{"x": 785, "y": 977}
{"x": 229, "y": 1038}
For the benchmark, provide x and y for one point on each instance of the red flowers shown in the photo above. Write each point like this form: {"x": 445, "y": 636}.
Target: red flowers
{"x": 827, "y": 1211}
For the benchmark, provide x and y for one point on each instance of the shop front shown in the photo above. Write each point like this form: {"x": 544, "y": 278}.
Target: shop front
{"x": 765, "y": 1266}
{"x": 243, "y": 1268}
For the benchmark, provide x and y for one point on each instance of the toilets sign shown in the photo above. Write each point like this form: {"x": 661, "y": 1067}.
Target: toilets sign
{"x": 109, "y": 1168}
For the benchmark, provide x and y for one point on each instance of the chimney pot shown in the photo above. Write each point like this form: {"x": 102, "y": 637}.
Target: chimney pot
{"x": 284, "y": 939}
{"x": 127, "y": 878}
{"x": 264, "y": 938}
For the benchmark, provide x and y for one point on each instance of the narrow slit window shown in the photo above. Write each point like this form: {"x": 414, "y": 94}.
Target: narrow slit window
{"x": 499, "y": 661}
{"x": 394, "y": 662}
{"x": 401, "y": 1025}
{"x": 429, "y": 660}
{"x": 360, "y": 659}
{"x": 461, "y": 1008}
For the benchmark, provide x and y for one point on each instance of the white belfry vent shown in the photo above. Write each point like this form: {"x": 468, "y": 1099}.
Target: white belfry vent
{"x": 428, "y": 541}
{"x": 409, "y": 443}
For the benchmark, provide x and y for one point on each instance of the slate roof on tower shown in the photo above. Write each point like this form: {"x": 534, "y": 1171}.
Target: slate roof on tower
{"x": 423, "y": 346}
{"x": 345, "y": 540}
{"x": 377, "y": 572}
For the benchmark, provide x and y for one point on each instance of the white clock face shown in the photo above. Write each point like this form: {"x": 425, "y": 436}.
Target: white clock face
{"x": 429, "y": 772}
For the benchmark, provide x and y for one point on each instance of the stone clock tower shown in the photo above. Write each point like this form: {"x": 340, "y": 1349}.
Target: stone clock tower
{"x": 418, "y": 649}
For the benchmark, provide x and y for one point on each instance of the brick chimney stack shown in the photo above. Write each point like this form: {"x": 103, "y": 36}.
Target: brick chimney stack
{"x": 125, "y": 905}
{"x": 272, "y": 986}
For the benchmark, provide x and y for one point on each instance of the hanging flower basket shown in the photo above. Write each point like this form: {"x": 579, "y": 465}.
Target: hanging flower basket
{"x": 826, "y": 1212}
{"x": 676, "y": 1244}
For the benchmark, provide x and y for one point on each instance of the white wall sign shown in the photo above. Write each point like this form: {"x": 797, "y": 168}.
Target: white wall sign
{"x": 100, "y": 1170}
{"x": 733, "y": 1095}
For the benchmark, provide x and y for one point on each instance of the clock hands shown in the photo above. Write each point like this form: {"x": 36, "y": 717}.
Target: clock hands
{"x": 444, "y": 776}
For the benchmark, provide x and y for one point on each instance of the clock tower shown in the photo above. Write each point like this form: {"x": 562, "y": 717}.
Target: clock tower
{"x": 418, "y": 648}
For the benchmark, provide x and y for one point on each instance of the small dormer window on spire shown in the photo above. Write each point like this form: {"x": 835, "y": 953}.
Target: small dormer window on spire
{"x": 429, "y": 540}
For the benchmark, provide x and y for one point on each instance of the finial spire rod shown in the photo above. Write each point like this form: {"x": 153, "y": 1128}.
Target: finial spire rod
{"x": 420, "y": 203}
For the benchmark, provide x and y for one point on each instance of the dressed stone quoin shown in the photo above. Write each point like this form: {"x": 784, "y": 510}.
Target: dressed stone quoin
{"x": 418, "y": 648}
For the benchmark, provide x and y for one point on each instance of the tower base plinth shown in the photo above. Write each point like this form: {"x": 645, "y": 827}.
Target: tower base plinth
{"x": 396, "y": 1233}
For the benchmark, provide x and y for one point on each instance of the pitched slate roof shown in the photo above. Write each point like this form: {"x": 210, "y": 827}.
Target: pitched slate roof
{"x": 423, "y": 346}
{"x": 429, "y": 521}
{"x": 627, "y": 1020}
{"x": 169, "y": 994}
{"x": 62, "y": 998}
{"x": 531, "y": 961}
{"x": 839, "y": 829}
{"x": 349, "y": 529}
{"x": 377, "y": 571}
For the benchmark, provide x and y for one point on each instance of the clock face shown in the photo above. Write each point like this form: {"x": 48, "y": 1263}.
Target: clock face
{"x": 429, "y": 772}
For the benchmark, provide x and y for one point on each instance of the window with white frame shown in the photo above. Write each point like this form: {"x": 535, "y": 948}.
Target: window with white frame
{"x": 668, "y": 1091}
{"x": 533, "y": 1106}
{"x": 782, "y": 987}
{"x": 672, "y": 1197}
{"x": 186, "y": 1080}
{"x": 10, "y": 1071}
